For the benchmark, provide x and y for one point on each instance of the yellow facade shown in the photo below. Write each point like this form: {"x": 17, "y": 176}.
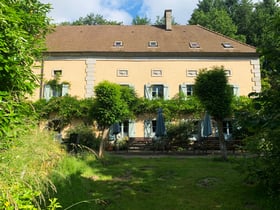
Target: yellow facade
{"x": 85, "y": 73}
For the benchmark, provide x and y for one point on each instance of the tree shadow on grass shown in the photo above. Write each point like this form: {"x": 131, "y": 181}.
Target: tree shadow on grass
{"x": 113, "y": 180}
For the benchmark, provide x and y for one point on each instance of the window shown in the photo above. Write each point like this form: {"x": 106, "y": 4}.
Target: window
{"x": 149, "y": 128}
{"x": 156, "y": 73}
{"x": 122, "y": 73}
{"x": 156, "y": 91}
{"x": 153, "y": 44}
{"x": 56, "y": 90}
{"x": 118, "y": 44}
{"x": 194, "y": 45}
{"x": 228, "y": 73}
{"x": 191, "y": 73}
{"x": 187, "y": 89}
{"x": 227, "y": 45}
{"x": 126, "y": 129}
{"x": 56, "y": 73}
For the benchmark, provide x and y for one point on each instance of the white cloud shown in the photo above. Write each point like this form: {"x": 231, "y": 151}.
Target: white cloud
{"x": 121, "y": 10}
{"x": 181, "y": 9}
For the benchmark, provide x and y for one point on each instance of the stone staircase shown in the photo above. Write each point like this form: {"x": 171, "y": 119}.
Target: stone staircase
{"x": 140, "y": 144}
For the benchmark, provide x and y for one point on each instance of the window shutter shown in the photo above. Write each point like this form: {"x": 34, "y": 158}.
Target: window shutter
{"x": 148, "y": 92}
{"x": 47, "y": 92}
{"x": 131, "y": 128}
{"x": 183, "y": 88}
{"x": 147, "y": 128}
{"x": 165, "y": 92}
{"x": 112, "y": 137}
{"x": 235, "y": 90}
{"x": 65, "y": 88}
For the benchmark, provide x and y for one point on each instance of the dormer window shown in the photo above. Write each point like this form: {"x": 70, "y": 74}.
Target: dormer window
{"x": 118, "y": 44}
{"x": 153, "y": 44}
{"x": 194, "y": 45}
{"x": 227, "y": 45}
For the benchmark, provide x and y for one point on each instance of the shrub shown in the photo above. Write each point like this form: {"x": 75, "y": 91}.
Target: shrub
{"x": 24, "y": 181}
{"x": 86, "y": 136}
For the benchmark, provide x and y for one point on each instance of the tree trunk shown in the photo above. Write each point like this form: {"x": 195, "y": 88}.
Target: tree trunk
{"x": 103, "y": 142}
{"x": 222, "y": 142}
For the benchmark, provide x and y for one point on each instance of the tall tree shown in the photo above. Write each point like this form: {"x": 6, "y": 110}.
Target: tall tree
{"x": 216, "y": 20}
{"x": 109, "y": 108}
{"x": 141, "y": 21}
{"x": 23, "y": 27}
{"x": 92, "y": 19}
{"x": 161, "y": 21}
{"x": 212, "y": 89}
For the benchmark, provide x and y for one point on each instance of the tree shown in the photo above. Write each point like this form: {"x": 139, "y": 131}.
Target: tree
{"x": 212, "y": 89}
{"x": 109, "y": 108}
{"x": 23, "y": 27}
{"x": 161, "y": 21}
{"x": 141, "y": 21}
{"x": 92, "y": 19}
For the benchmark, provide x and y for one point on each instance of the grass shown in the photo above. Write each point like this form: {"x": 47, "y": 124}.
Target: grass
{"x": 24, "y": 181}
{"x": 167, "y": 183}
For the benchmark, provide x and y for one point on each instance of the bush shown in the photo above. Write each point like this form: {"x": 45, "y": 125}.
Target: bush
{"x": 86, "y": 137}
{"x": 24, "y": 181}
{"x": 178, "y": 134}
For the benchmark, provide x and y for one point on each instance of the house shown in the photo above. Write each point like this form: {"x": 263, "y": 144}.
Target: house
{"x": 157, "y": 61}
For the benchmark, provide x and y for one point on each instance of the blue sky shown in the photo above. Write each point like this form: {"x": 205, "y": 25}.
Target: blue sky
{"x": 120, "y": 10}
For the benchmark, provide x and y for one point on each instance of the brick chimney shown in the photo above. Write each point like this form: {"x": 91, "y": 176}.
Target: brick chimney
{"x": 168, "y": 19}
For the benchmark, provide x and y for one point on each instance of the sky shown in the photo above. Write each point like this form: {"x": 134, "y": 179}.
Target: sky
{"x": 121, "y": 10}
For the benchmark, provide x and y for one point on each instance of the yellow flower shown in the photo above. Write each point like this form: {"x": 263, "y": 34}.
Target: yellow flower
{"x": 7, "y": 204}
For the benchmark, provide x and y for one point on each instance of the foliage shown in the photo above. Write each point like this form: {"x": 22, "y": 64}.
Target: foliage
{"x": 86, "y": 137}
{"x": 161, "y": 21}
{"x": 64, "y": 109}
{"x": 141, "y": 21}
{"x": 179, "y": 133}
{"x": 23, "y": 27}
{"x": 92, "y": 19}
{"x": 173, "y": 109}
{"x": 216, "y": 20}
{"x": 265, "y": 141}
{"x": 15, "y": 118}
{"x": 218, "y": 97}
{"x": 109, "y": 105}
{"x": 24, "y": 181}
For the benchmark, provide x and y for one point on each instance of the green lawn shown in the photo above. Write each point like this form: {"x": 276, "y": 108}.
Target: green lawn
{"x": 167, "y": 183}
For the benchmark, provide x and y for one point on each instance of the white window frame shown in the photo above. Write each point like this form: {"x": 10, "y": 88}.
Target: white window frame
{"x": 192, "y": 73}
{"x": 122, "y": 72}
{"x": 153, "y": 43}
{"x": 184, "y": 89}
{"x": 156, "y": 73}
{"x": 148, "y": 91}
{"x": 118, "y": 43}
{"x": 228, "y": 72}
{"x": 227, "y": 45}
{"x": 55, "y": 72}
{"x": 194, "y": 45}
